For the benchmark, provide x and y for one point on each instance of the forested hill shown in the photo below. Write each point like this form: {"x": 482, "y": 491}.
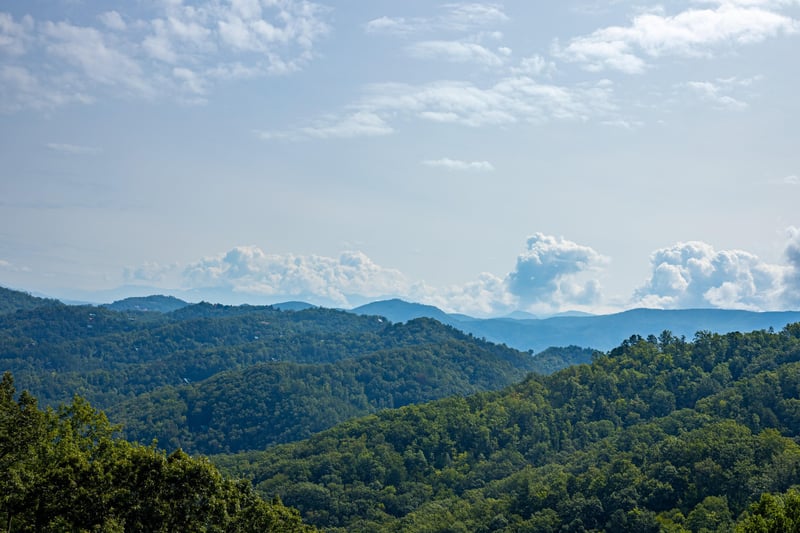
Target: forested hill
{"x": 658, "y": 435}
{"x": 212, "y": 378}
{"x": 270, "y": 403}
{"x": 12, "y": 301}
{"x": 66, "y": 470}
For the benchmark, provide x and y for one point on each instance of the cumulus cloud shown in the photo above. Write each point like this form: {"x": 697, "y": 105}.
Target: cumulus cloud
{"x": 545, "y": 272}
{"x": 149, "y": 272}
{"x": 458, "y": 165}
{"x": 693, "y": 32}
{"x": 548, "y": 276}
{"x": 326, "y": 280}
{"x": 791, "y": 291}
{"x": 177, "y": 50}
{"x": 694, "y": 274}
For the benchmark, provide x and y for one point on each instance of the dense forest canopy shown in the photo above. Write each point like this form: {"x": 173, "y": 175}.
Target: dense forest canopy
{"x": 213, "y": 378}
{"x": 658, "y": 434}
{"x": 64, "y": 470}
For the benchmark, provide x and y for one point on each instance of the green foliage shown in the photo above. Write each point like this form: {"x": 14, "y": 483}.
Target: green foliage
{"x": 658, "y": 434}
{"x": 12, "y": 301}
{"x": 211, "y": 378}
{"x": 65, "y": 471}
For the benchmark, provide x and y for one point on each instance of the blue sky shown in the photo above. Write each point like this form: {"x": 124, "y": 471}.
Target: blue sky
{"x": 482, "y": 157}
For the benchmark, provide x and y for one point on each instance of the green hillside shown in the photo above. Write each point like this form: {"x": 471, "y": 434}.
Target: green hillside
{"x": 213, "y": 378}
{"x": 12, "y": 301}
{"x": 659, "y": 434}
{"x": 65, "y": 470}
{"x": 278, "y": 402}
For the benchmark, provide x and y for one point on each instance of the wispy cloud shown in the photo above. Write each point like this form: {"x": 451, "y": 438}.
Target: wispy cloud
{"x": 459, "y": 165}
{"x": 711, "y": 92}
{"x": 363, "y": 123}
{"x": 73, "y": 149}
{"x": 510, "y": 100}
{"x": 456, "y": 52}
{"x": 453, "y": 17}
{"x": 693, "y": 32}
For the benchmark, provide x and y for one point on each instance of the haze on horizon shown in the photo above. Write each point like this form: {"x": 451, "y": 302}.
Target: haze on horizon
{"x": 482, "y": 157}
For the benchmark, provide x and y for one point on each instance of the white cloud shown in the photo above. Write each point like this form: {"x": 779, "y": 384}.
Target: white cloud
{"x": 548, "y": 276}
{"x": 694, "y": 274}
{"x": 148, "y": 272}
{"x": 356, "y": 124}
{"x": 791, "y": 292}
{"x": 11, "y": 267}
{"x": 15, "y": 37}
{"x": 325, "y": 280}
{"x": 693, "y": 32}
{"x": 21, "y": 89}
{"x": 459, "y": 165}
{"x": 454, "y": 17}
{"x": 73, "y": 149}
{"x": 510, "y": 100}
{"x": 456, "y": 52}
{"x": 534, "y": 65}
{"x": 113, "y": 21}
{"x": 713, "y": 93}
{"x": 177, "y": 51}
{"x": 545, "y": 272}
{"x": 87, "y": 49}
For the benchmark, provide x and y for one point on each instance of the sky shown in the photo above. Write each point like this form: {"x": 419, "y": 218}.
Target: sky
{"x": 480, "y": 157}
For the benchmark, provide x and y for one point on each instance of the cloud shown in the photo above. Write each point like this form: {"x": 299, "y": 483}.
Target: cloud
{"x": 713, "y": 92}
{"x": 87, "y": 50}
{"x": 324, "y": 280}
{"x": 458, "y": 165}
{"x": 148, "y": 272}
{"x": 694, "y": 274}
{"x": 545, "y": 272}
{"x": 73, "y": 149}
{"x": 11, "y": 267}
{"x": 113, "y": 21}
{"x": 534, "y": 65}
{"x": 510, "y": 100}
{"x": 453, "y": 17}
{"x": 176, "y": 50}
{"x": 548, "y": 276}
{"x": 356, "y": 124}
{"x": 456, "y": 52}
{"x": 690, "y": 33}
{"x": 21, "y": 89}
{"x": 15, "y": 37}
{"x": 791, "y": 293}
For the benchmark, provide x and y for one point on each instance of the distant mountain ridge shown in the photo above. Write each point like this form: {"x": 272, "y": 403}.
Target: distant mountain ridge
{"x": 601, "y": 332}
{"x": 156, "y": 302}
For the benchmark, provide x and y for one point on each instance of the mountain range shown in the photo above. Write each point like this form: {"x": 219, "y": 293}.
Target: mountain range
{"x": 601, "y": 332}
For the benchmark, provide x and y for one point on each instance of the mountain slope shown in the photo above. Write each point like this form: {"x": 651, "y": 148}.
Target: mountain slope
{"x": 157, "y": 303}
{"x": 12, "y": 301}
{"x": 601, "y": 332}
{"x": 272, "y": 403}
{"x": 659, "y": 434}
